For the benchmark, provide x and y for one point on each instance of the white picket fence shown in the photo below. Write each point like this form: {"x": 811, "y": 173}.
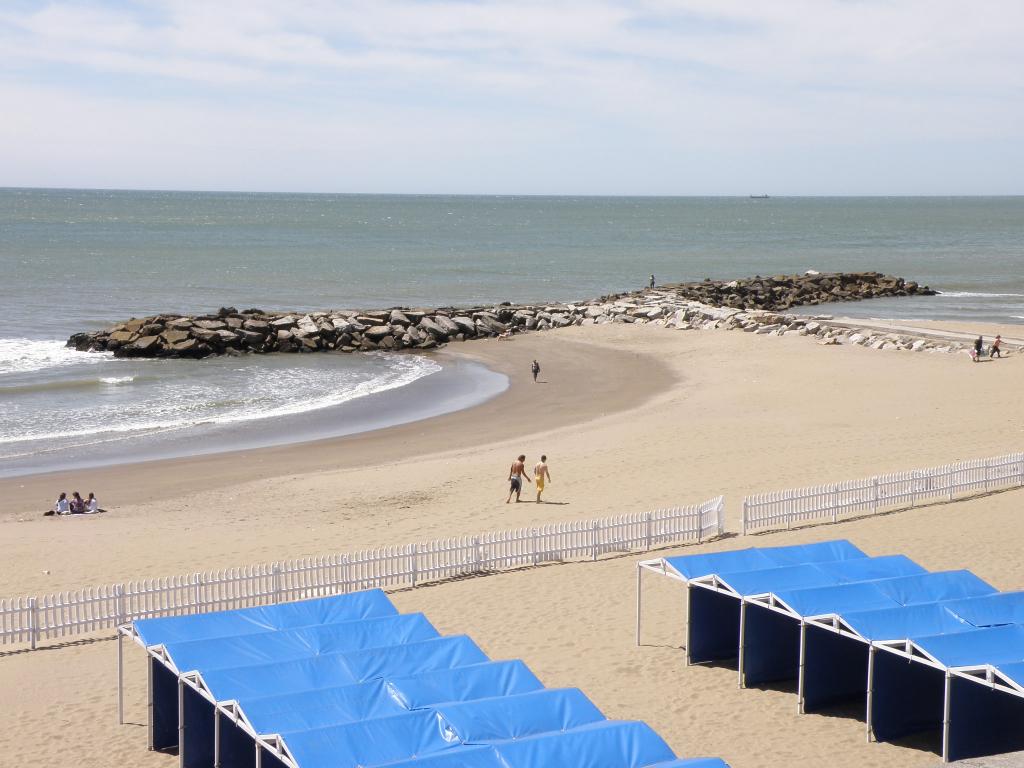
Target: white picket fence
{"x": 31, "y": 619}
{"x": 873, "y": 494}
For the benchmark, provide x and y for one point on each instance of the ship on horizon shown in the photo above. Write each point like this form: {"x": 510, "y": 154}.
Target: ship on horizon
{"x": 759, "y": 197}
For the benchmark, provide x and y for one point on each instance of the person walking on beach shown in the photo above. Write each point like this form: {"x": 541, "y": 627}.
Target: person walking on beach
{"x": 542, "y": 475}
{"x": 535, "y": 369}
{"x": 515, "y": 478}
{"x": 994, "y": 350}
{"x": 979, "y": 346}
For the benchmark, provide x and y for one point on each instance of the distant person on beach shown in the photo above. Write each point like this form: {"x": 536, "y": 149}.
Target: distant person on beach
{"x": 652, "y": 281}
{"x": 61, "y": 507}
{"x": 994, "y": 350}
{"x": 77, "y": 504}
{"x": 92, "y": 504}
{"x": 979, "y": 346}
{"x": 515, "y": 478}
{"x": 542, "y": 475}
{"x": 535, "y": 369}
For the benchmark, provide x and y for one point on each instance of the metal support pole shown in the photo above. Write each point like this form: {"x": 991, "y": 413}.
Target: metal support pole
{"x": 216, "y": 737}
{"x": 743, "y": 639}
{"x": 120, "y": 678}
{"x": 688, "y": 625}
{"x": 639, "y": 585}
{"x": 871, "y": 688}
{"x": 149, "y": 702}
{"x": 259, "y": 756}
{"x": 945, "y": 716}
{"x": 181, "y": 722}
{"x": 800, "y": 676}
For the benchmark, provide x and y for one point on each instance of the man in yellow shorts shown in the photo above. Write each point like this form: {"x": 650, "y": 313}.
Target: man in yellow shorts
{"x": 540, "y": 475}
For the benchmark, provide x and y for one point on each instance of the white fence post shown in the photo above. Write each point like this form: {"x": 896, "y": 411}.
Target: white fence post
{"x": 275, "y": 574}
{"x": 647, "y": 520}
{"x": 414, "y": 556}
{"x": 874, "y": 495}
{"x": 834, "y": 498}
{"x": 33, "y": 621}
{"x": 595, "y": 527}
{"x": 535, "y": 545}
{"x": 745, "y": 508}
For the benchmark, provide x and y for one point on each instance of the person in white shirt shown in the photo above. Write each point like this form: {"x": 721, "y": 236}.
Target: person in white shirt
{"x": 62, "y": 507}
{"x": 92, "y": 504}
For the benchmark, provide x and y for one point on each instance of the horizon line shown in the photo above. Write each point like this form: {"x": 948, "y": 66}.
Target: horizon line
{"x": 732, "y": 196}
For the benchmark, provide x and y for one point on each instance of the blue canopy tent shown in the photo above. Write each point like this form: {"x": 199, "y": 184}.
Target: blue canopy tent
{"x": 374, "y": 692}
{"x": 953, "y": 646}
{"x": 242, "y": 720}
{"x": 838, "y": 650}
{"x": 201, "y": 691}
{"x": 184, "y": 705}
{"x": 153, "y": 634}
{"x": 716, "y": 611}
{"x": 943, "y": 673}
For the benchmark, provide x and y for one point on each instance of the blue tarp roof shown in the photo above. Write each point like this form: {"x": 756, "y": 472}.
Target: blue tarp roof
{"x": 601, "y": 745}
{"x": 475, "y": 681}
{"x": 879, "y": 594}
{"x": 323, "y": 610}
{"x": 810, "y": 575}
{"x": 996, "y": 645}
{"x": 306, "y": 710}
{"x": 317, "y": 708}
{"x": 332, "y": 670}
{"x": 750, "y": 559}
{"x": 513, "y": 717}
{"x": 992, "y": 610}
{"x": 284, "y": 645}
{"x": 905, "y": 621}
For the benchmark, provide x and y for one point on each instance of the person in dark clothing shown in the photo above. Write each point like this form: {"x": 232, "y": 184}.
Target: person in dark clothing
{"x": 535, "y": 369}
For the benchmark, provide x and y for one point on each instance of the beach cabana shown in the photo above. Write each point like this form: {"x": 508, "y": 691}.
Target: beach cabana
{"x": 242, "y": 720}
{"x": 369, "y": 691}
{"x": 718, "y": 610}
{"x": 202, "y": 691}
{"x": 180, "y": 663}
{"x": 154, "y": 634}
{"x": 954, "y": 682}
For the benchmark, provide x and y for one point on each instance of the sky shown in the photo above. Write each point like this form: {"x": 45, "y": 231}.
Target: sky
{"x": 605, "y": 97}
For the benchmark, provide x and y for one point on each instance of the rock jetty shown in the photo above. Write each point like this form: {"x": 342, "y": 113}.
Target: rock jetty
{"x": 750, "y": 304}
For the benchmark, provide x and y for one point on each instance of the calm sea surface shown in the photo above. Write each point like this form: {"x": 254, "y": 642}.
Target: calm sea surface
{"x": 77, "y": 260}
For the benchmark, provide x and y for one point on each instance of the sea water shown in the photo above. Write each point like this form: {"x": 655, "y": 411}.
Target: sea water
{"x": 75, "y": 260}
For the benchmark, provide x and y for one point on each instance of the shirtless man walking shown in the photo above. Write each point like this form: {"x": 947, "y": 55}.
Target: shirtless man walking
{"x": 515, "y": 478}
{"x": 542, "y": 475}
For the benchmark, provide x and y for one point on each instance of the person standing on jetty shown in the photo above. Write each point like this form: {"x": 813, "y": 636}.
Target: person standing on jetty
{"x": 542, "y": 475}
{"x": 515, "y": 478}
{"x": 652, "y": 282}
{"x": 535, "y": 370}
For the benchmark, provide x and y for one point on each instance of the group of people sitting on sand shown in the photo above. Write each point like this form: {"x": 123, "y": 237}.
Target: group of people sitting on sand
{"x": 76, "y": 505}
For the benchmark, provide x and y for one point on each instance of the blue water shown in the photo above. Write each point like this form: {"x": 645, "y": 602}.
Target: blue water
{"x": 77, "y": 260}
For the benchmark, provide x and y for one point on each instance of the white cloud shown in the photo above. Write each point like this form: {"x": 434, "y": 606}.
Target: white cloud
{"x": 557, "y": 95}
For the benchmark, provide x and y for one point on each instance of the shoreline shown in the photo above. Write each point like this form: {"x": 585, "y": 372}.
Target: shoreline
{"x": 137, "y": 482}
{"x": 460, "y": 384}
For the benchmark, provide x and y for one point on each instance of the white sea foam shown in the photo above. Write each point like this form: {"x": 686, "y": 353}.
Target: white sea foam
{"x": 279, "y": 393}
{"x": 27, "y": 355}
{"x": 979, "y": 295}
{"x": 117, "y": 379}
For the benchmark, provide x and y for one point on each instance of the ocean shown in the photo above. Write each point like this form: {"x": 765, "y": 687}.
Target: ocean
{"x": 74, "y": 260}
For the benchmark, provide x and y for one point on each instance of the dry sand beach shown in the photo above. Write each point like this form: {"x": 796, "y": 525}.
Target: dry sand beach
{"x": 631, "y": 418}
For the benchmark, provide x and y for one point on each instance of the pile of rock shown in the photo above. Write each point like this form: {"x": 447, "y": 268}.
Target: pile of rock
{"x": 747, "y": 304}
{"x": 786, "y": 291}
